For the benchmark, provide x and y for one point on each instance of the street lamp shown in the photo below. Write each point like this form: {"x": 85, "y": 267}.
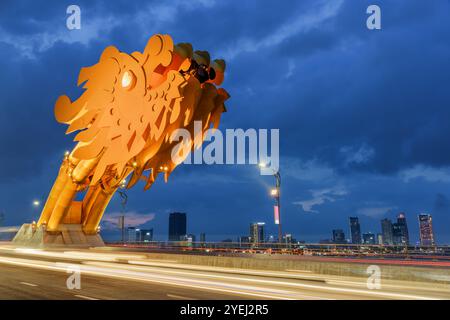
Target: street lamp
{"x": 36, "y": 204}
{"x": 276, "y": 194}
{"x": 123, "y": 201}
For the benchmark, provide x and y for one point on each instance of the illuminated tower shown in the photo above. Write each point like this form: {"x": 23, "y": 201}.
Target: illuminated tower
{"x": 355, "y": 230}
{"x": 400, "y": 230}
{"x": 426, "y": 229}
{"x": 257, "y": 232}
{"x": 387, "y": 231}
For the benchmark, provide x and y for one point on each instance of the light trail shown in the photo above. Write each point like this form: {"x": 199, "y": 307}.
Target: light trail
{"x": 274, "y": 282}
{"x": 266, "y": 293}
{"x": 75, "y": 255}
{"x": 243, "y": 282}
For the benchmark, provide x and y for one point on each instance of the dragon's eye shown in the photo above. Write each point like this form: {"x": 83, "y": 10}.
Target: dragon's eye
{"x": 128, "y": 80}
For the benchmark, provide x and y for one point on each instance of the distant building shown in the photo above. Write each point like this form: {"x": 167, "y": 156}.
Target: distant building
{"x": 245, "y": 240}
{"x": 426, "y": 230}
{"x": 257, "y": 232}
{"x": 380, "y": 239}
{"x": 144, "y": 235}
{"x": 400, "y": 230}
{"x": 190, "y": 237}
{"x": 177, "y": 226}
{"x": 339, "y": 236}
{"x": 131, "y": 234}
{"x": 202, "y": 237}
{"x": 368, "y": 238}
{"x": 397, "y": 234}
{"x": 355, "y": 230}
{"x": 287, "y": 238}
{"x": 387, "y": 232}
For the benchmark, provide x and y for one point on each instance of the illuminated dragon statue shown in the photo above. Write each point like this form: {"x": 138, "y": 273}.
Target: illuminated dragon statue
{"x": 125, "y": 117}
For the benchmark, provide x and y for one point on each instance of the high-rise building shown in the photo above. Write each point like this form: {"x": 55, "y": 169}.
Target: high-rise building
{"x": 426, "y": 230}
{"x": 257, "y": 232}
{"x": 396, "y": 234}
{"x": 177, "y": 226}
{"x": 339, "y": 236}
{"x": 400, "y": 230}
{"x": 355, "y": 230}
{"x": 202, "y": 237}
{"x": 387, "y": 232}
{"x": 368, "y": 238}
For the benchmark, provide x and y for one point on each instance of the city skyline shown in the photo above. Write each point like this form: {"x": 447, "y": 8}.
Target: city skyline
{"x": 385, "y": 235}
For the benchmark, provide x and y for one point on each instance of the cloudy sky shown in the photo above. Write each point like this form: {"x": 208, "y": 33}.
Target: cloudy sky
{"x": 363, "y": 114}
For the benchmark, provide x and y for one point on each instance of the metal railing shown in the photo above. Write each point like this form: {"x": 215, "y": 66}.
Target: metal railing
{"x": 310, "y": 249}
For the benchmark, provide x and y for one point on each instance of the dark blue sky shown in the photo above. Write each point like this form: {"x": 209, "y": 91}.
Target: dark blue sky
{"x": 363, "y": 115}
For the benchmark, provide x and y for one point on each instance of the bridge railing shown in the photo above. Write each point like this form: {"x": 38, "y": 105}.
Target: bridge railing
{"x": 312, "y": 249}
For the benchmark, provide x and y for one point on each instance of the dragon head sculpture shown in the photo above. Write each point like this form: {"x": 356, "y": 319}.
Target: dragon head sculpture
{"x": 125, "y": 118}
{"x": 133, "y": 103}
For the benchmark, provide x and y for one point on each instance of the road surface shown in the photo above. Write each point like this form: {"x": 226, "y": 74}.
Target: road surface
{"x": 43, "y": 274}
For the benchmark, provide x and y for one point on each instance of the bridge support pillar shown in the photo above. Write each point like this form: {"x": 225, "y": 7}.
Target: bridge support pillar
{"x": 66, "y": 235}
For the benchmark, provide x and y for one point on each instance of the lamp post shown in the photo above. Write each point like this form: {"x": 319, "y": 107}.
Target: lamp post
{"x": 276, "y": 194}
{"x": 36, "y": 204}
{"x": 124, "y": 200}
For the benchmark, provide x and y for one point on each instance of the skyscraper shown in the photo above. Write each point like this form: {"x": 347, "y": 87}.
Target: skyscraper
{"x": 426, "y": 229}
{"x": 396, "y": 234}
{"x": 387, "y": 231}
{"x": 339, "y": 236}
{"x": 257, "y": 232}
{"x": 355, "y": 230}
{"x": 177, "y": 226}
{"x": 400, "y": 230}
